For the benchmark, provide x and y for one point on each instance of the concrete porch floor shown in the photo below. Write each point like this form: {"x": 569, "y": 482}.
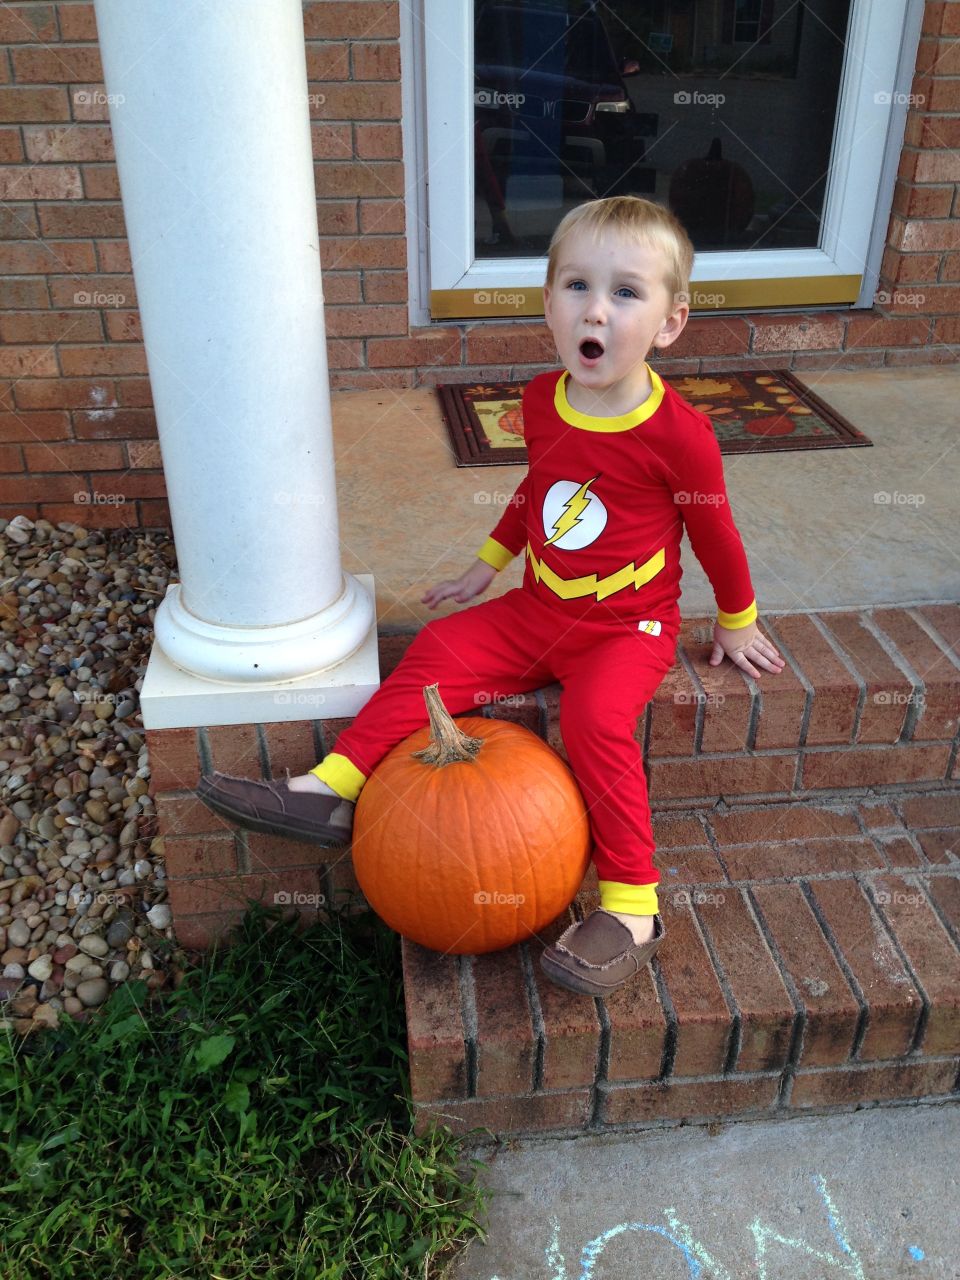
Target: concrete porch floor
{"x": 815, "y": 534}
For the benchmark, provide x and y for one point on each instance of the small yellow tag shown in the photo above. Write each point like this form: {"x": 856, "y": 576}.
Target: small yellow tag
{"x": 650, "y": 628}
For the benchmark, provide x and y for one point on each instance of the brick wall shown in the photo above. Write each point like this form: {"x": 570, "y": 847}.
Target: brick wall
{"x": 76, "y": 412}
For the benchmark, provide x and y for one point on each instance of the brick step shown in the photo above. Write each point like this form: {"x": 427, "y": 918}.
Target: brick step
{"x": 868, "y": 702}
{"x": 812, "y": 962}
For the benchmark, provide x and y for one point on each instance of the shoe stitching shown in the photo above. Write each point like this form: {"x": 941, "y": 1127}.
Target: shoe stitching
{"x": 607, "y": 964}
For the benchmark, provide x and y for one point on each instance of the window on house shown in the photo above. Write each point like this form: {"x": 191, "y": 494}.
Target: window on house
{"x": 761, "y": 123}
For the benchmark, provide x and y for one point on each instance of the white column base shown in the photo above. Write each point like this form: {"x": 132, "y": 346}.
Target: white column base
{"x": 173, "y": 697}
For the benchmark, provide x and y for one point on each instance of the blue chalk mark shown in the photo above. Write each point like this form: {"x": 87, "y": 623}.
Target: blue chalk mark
{"x": 818, "y": 1181}
{"x": 593, "y": 1249}
{"x": 672, "y": 870}
{"x": 915, "y": 1252}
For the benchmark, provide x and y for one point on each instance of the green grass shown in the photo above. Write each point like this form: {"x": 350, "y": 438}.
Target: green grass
{"x": 253, "y": 1122}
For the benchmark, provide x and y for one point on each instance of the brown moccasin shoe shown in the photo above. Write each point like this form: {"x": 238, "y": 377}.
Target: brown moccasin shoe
{"x": 272, "y": 807}
{"x": 596, "y": 956}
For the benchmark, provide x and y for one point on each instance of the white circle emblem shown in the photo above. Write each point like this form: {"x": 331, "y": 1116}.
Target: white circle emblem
{"x": 573, "y": 517}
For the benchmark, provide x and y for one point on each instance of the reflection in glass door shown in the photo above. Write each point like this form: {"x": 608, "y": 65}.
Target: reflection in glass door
{"x": 722, "y": 109}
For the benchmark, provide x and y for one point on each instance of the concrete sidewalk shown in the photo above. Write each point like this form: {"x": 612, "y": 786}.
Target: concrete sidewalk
{"x": 869, "y": 1195}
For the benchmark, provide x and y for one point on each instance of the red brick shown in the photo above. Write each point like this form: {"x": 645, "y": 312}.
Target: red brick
{"x": 506, "y": 1045}
{"x": 570, "y": 1025}
{"x": 186, "y": 857}
{"x": 704, "y": 1022}
{"x": 56, "y": 182}
{"x": 102, "y": 359}
{"x": 343, "y": 286}
{"x": 873, "y": 330}
{"x": 796, "y": 333}
{"x": 23, "y": 293}
{"x": 688, "y": 1100}
{"x": 943, "y": 96}
{"x": 290, "y": 746}
{"x": 181, "y": 813}
{"x": 676, "y": 831}
{"x": 115, "y": 424}
{"x": 922, "y": 202}
{"x": 386, "y": 286}
{"x": 435, "y": 1031}
{"x": 932, "y": 956}
{"x": 835, "y": 692}
{"x": 762, "y": 1002}
{"x": 874, "y": 767}
{"x": 899, "y": 852}
{"x": 332, "y": 141}
{"x": 532, "y": 1113}
{"x": 520, "y": 343}
{"x": 275, "y": 853}
{"x": 713, "y": 336}
{"x": 28, "y": 24}
{"x": 377, "y": 178}
{"x": 365, "y": 20}
{"x": 359, "y": 322}
{"x": 673, "y": 714}
{"x": 154, "y": 514}
{"x": 11, "y": 152}
{"x": 11, "y": 458}
{"x": 638, "y": 1028}
{"x": 376, "y": 61}
{"x": 933, "y": 809}
{"x": 37, "y": 488}
{"x": 710, "y": 776}
{"x": 379, "y": 141}
{"x": 350, "y": 253}
{"x": 327, "y": 62}
{"x": 727, "y": 709}
{"x": 234, "y": 749}
{"x": 96, "y": 515}
{"x": 778, "y": 823}
{"x": 100, "y": 182}
{"x": 63, "y": 64}
{"x": 28, "y": 362}
{"x": 782, "y": 703}
{"x": 441, "y": 348}
{"x": 945, "y": 620}
{"x": 382, "y": 217}
{"x": 857, "y": 1085}
{"x": 77, "y": 22}
{"x": 941, "y": 679}
{"x": 173, "y": 758}
{"x": 235, "y": 892}
{"x": 67, "y": 291}
{"x": 846, "y": 360}
{"x": 73, "y": 457}
{"x": 337, "y": 218}
{"x": 51, "y": 326}
{"x": 47, "y": 144}
{"x": 34, "y": 426}
{"x": 86, "y": 218}
{"x": 21, "y": 103}
{"x": 831, "y": 1011}
{"x": 682, "y": 867}
{"x": 888, "y": 691}
{"x": 893, "y": 1002}
{"x": 909, "y": 268}
{"x": 802, "y": 858}
{"x": 877, "y": 815}
{"x": 945, "y": 892}
{"x": 30, "y": 257}
{"x": 201, "y": 932}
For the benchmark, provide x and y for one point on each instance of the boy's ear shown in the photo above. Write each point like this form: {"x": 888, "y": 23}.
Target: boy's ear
{"x": 547, "y": 294}
{"x": 675, "y": 321}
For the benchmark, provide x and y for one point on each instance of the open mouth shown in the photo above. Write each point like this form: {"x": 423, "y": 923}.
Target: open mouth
{"x": 591, "y": 350}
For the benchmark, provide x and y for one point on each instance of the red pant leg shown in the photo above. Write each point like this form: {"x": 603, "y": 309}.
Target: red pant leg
{"x": 495, "y": 648}
{"x": 607, "y": 680}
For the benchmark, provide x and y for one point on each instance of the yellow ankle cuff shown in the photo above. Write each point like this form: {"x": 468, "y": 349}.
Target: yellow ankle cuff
{"x": 632, "y": 899}
{"x": 341, "y": 775}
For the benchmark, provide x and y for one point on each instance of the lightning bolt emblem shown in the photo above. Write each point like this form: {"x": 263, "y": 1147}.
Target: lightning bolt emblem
{"x": 573, "y": 510}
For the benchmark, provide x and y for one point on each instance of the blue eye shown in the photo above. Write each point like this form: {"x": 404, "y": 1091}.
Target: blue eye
{"x": 576, "y": 284}
{"x": 626, "y": 292}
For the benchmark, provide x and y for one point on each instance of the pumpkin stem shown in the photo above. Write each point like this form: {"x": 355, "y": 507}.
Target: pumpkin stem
{"x": 448, "y": 743}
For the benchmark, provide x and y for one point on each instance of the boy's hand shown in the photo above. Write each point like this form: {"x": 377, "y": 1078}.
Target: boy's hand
{"x": 476, "y": 579}
{"x": 743, "y": 644}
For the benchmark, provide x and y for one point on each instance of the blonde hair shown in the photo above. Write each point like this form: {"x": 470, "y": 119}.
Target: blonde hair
{"x": 652, "y": 225}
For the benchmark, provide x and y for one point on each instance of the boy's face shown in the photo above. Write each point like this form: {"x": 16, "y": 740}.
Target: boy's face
{"x": 607, "y": 306}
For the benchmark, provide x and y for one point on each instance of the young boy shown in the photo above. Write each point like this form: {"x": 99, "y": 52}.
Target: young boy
{"x": 618, "y": 464}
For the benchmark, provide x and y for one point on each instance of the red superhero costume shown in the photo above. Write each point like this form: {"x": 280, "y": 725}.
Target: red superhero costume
{"x": 598, "y": 518}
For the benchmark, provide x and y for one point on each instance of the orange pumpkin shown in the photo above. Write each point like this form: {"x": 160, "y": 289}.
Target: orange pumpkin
{"x": 470, "y": 837}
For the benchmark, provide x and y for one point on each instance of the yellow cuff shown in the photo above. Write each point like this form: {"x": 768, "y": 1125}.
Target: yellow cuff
{"x": 495, "y": 554}
{"x": 742, "y": 619}
{"x": 341, "y": 775}
{"x": 633, "y": 899}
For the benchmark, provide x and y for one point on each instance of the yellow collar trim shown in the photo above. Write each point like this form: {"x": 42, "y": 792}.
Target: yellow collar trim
{"x": 624, "y": 422}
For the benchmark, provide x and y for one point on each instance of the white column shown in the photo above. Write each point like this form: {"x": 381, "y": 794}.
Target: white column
{"x": 208, "y": 109}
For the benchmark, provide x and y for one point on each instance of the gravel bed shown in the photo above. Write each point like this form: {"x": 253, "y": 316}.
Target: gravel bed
{"x": 82, "y": 896}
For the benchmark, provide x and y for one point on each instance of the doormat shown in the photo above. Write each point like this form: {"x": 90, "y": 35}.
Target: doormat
{"x": 757, "y": 411}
